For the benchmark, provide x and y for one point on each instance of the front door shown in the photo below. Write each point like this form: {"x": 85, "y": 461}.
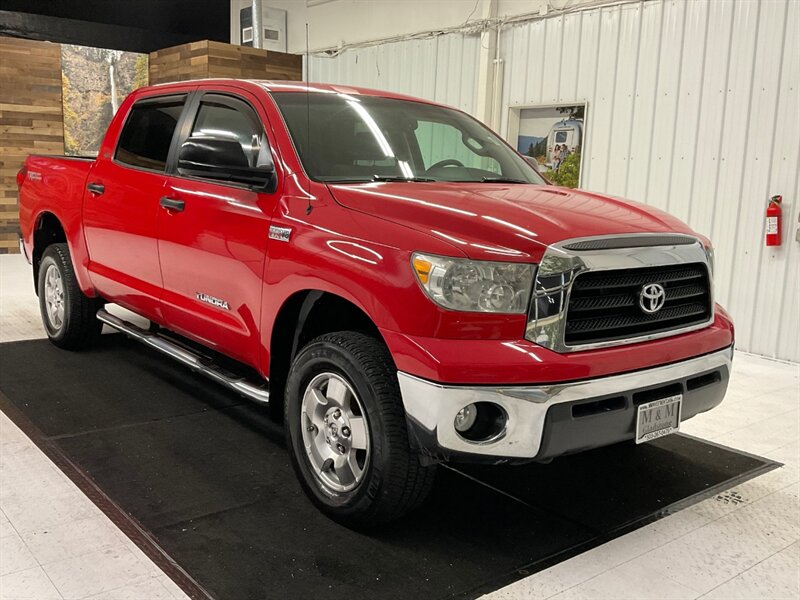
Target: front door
{"x": 121, "y": 206}
{"x": 213, "y": 237}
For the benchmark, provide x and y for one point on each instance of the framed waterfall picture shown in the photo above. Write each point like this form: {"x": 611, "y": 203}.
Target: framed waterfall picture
{"x": 553, "y": 136}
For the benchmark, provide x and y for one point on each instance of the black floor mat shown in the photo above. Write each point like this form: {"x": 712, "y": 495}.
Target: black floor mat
{"x": 207, "y": 475}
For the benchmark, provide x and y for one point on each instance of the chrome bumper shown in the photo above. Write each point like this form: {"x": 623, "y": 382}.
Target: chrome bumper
{"x": 432, "y": 407}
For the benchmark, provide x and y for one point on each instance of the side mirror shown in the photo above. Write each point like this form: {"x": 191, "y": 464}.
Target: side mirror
{"x": 221, "y": 159}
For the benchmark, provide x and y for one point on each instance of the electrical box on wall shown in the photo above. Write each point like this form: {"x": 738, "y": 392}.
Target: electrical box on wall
{"x": 274, "y": 24}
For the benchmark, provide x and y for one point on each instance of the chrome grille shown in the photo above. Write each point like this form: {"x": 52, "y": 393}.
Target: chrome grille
{"x": 604, "y": 305}
{"x": 590, "y": 298}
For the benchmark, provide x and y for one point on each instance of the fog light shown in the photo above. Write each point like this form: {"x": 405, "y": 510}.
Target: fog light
{"x": 481, "y": 422}
{"x": 466, "y": 417}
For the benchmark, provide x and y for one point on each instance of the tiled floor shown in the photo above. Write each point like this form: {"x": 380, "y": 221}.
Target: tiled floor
{"x": 745, "y": 543}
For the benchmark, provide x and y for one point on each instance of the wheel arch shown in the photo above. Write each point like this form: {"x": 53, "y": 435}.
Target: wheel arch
{"x": 303, "y": 316}
{"x": 48, "y": 230}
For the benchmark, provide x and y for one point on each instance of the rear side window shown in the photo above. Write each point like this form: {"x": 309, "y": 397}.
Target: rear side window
{"x": 147, "y": 134}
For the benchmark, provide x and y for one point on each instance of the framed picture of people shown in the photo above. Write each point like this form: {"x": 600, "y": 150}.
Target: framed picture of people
{"x": 552, "y": 137}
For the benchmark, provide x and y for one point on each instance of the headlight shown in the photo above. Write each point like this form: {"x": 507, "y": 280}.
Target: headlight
{"x": 474, "y": 286}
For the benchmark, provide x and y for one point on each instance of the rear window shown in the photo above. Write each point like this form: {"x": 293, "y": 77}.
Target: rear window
{"x": 147, "y": 134}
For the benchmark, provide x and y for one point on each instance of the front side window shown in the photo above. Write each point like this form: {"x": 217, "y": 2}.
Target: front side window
{"x": 224, "y": 117}
{"x": 147, "y": 133}
{"x": 349, "y": 138}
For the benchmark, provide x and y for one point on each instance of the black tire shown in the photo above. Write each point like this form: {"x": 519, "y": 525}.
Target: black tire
{"x": 393, "y": 482}
{"x": 78, "y": 327}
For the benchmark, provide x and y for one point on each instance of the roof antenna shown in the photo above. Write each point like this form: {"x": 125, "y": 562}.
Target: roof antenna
{"x": 309, "y": 208}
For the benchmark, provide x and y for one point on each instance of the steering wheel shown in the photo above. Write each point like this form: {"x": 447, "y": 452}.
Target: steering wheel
{"x": 448, "y": 162}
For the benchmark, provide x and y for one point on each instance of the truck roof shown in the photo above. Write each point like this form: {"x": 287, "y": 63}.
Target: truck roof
{"x": 296, "y": 86}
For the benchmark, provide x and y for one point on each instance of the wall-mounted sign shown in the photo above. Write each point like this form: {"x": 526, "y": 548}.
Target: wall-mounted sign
{"x": 553, "y": 136}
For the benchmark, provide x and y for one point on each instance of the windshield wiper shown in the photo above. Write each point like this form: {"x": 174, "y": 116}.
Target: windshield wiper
{"x": 346, "y": 180}
{"x": 381, "y": 178}
{"x": 399, "y": 178}
{"x": 502, "y": 180}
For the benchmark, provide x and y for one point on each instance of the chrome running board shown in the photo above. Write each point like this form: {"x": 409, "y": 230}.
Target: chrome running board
{"x": 186, "y": 357}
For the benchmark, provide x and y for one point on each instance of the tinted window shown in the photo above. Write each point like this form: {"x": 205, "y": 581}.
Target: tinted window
{"x": 342, "y": 137}
{"x": 223, "y": 117}
{"x": 147, "y": 134}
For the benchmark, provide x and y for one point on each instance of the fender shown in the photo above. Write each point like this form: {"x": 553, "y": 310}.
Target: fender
{"x": 78, "y": 251}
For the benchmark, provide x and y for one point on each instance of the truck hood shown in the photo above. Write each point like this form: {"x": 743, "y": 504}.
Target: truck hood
{"x": 489, "y": 221}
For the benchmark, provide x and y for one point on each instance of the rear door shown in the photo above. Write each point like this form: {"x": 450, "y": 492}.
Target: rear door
{"x": 122, "y": 203}
{"x": 213, "y": 234}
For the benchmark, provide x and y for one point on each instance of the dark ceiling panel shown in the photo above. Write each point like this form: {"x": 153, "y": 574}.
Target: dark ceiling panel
{"x": 134, "y": 25}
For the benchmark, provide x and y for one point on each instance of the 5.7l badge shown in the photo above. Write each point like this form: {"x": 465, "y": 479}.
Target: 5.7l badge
{"x": 282, "y": 234}
{"x": 218, "y": 302}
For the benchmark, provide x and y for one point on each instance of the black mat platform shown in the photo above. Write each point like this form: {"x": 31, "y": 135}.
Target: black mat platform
{"x": 198, "y": 476}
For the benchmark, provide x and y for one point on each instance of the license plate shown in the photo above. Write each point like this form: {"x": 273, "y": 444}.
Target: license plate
{"x": 658, "y": 418}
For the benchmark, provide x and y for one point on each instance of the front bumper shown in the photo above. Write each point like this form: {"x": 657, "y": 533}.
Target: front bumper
{"x": 544, "y": 421}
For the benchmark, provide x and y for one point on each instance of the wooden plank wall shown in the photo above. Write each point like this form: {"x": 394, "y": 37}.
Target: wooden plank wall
{"x": 203, "y": 59}
{"x": 31, "y": 120}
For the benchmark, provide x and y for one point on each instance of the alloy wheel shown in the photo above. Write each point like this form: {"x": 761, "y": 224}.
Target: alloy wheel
{"x": 54, "y": 297}
{"x": 335, "y": 432}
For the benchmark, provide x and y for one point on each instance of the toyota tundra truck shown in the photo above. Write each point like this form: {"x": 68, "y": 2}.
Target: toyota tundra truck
{"x": 389, "y": 276}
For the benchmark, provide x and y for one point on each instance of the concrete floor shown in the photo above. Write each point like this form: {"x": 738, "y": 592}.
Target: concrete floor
{"x": 744, "y": 543}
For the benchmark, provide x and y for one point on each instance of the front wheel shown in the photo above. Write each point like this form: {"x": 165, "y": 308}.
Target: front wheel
{"x": 346, "y": 431}
{"x": 68, "y": 315}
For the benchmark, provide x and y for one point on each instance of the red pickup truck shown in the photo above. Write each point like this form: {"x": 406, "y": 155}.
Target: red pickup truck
{"x": 386, "y": 273}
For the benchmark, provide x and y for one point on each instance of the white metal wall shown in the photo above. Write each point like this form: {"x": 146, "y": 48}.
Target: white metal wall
{"x": 441, "y": 69}
{"x": 693, "y": 108}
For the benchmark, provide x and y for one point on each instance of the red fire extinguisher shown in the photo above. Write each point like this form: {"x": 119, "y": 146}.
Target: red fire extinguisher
{"x": 774, "y": 221}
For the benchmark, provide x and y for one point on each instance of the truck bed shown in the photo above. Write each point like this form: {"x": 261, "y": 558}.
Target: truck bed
{"x": 55, "y": 184}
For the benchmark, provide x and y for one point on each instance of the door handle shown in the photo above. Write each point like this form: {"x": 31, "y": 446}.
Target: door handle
{"x": 96, "y": 188}
{"x": 172, "y": 203}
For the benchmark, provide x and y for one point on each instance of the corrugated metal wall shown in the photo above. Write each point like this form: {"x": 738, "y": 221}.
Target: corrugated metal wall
{"x": 693, "y": 108}
{"x": 442, "y": 69}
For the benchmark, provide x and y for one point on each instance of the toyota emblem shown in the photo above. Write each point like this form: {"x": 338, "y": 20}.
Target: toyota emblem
{"x": 652, "y": 298}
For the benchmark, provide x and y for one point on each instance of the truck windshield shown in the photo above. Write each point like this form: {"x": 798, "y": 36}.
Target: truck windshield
{"x": 352, "y": 138}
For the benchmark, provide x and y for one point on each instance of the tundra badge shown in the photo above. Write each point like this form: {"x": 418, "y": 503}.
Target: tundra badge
{"x": 223, "y": 304}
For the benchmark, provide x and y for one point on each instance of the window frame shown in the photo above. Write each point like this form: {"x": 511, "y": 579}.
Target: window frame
{"x": 184, "y": 132}
{"x": 172, "y": 97}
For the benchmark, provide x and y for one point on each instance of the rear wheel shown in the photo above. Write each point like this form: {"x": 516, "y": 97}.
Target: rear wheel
{"x": 346, "y": 431}
{"x": 69, "y": 316}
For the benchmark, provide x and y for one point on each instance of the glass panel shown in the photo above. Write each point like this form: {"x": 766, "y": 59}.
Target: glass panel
{"x": 440, "y": 142}
{"x": 223, "y": 117}
{"x": 147, "y": 134}
{"x": 342, "y": 137}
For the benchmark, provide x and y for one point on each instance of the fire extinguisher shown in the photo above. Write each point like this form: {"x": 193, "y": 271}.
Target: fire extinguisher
{"x": 774, "y": 221}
